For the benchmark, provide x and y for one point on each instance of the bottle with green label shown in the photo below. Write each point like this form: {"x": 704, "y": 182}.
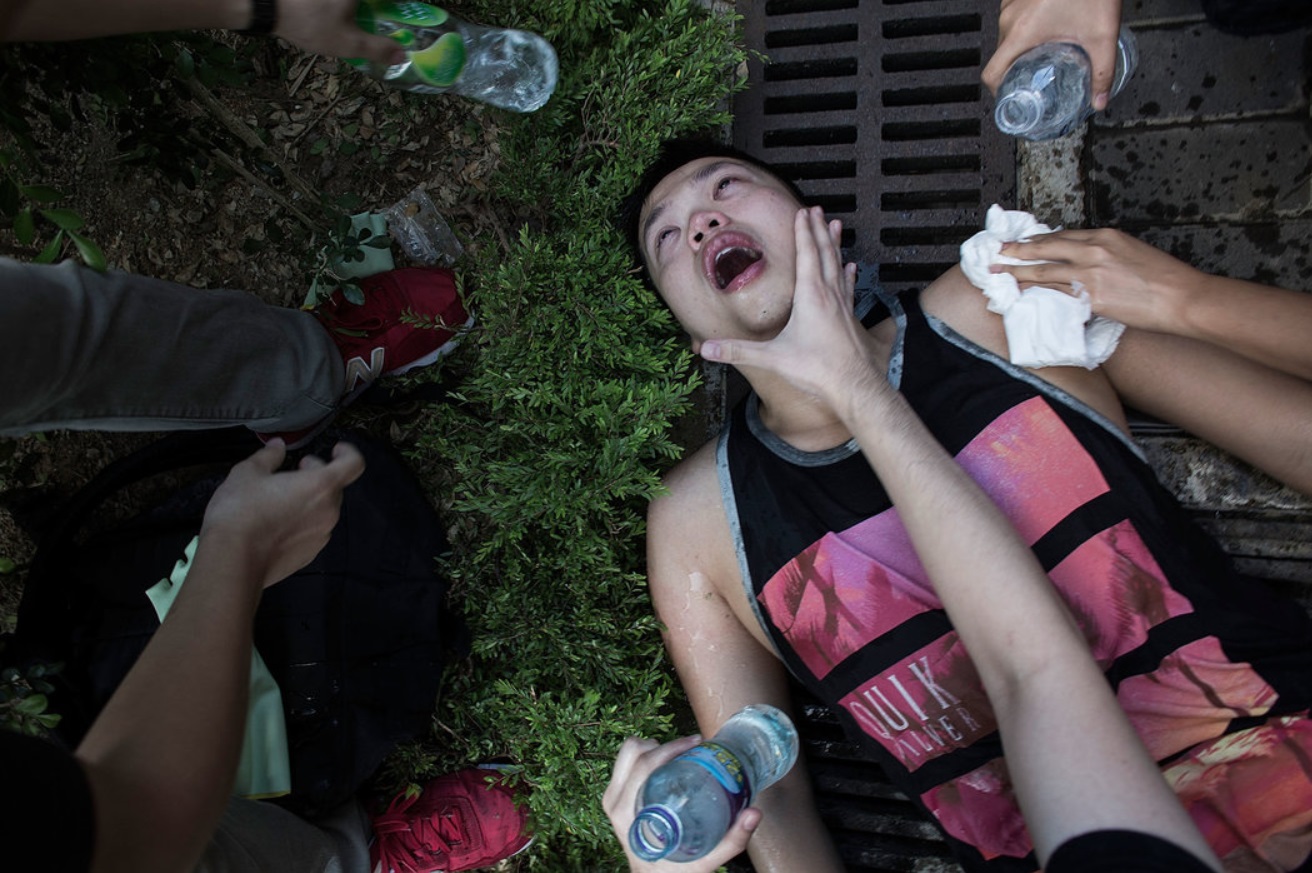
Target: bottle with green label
{"x": 512, "y": 69}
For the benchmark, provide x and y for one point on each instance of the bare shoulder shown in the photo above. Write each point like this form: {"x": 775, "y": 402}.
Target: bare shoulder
{"x": 691, "y": 486}
{"x": 687, "y": 525}
{"x": 964, "y": 308}
{"x": 692, "y": 557}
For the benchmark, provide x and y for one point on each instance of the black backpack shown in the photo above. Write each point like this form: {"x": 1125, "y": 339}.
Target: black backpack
{"x": 356, "y": 641}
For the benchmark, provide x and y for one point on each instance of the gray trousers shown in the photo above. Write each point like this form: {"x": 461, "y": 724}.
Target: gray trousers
{"x": 82, "y": 350}
{"x": 257, "y": 837}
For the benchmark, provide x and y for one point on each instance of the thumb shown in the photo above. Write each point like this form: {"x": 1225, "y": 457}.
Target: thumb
{"x": 735, "y": 841}
{"x": 736, "y": 352}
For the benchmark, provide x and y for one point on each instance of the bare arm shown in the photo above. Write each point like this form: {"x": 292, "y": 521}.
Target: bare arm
{"x": 723, "y": 666}
{"x": 1143, "y": 287}
{"x": 1024, "y": 24}
{"x": 1210, "y": 354}
{"x": 162, "y": 756}
{"x": 320, "y": 26}
{"x": 1028, "y": 650}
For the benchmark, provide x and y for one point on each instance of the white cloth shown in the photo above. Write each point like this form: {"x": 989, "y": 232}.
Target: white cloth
{"x": 1045, "y": 327}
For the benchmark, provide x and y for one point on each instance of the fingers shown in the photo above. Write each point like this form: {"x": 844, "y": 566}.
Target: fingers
{"x": 625, "y": 761}
{"x": 735, "y": 841}
{"x": 818, "y": 243}
{"x": 1065, "y": 246}
{"x": 635, "y": 761}
{"x": 270, "y": 457}
{"x": 379, "y": 49}
{"x": 347, "y": 463}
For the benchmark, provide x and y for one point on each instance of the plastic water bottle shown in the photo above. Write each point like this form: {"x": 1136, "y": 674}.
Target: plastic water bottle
{"x": 1048, "y": 91}
{"x": 688, "y": 804}
{"x": 512, "y": 69}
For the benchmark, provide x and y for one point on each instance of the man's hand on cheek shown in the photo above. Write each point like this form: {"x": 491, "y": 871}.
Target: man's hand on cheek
{"x": 823, "y": 344}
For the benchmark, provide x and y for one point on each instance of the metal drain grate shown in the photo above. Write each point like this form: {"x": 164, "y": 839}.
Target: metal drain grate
{"x": 875, "y": 109}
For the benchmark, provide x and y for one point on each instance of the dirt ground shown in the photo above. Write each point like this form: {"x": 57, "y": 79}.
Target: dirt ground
{"x": 303, "y": 147}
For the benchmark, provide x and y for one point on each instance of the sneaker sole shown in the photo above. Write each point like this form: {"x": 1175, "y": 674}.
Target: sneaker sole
{"x": 440, "y": 352}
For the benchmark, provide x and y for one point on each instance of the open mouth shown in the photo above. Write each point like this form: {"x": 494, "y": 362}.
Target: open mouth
{"x": 731, "y": 262}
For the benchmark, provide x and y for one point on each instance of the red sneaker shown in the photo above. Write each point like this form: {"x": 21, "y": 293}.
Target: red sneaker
{"x": 409, "y": 318}
{"x": 461, "y": 821}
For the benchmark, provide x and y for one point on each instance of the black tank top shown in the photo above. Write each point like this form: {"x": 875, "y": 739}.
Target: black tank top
{"x": 1196, "y": 655}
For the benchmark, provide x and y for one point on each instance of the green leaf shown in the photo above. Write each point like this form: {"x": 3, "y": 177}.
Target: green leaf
{"x": 52, "y": 249}
{"x": 353, "y": 293}
{"x": 8, "y": 197}
{"x": 33, "y": 704}
{"x": 91, "y": 254}
{"x": 7, "y": 565}
{"x": 185, "y": 64}
{"x": 41, "y": 193}
{"x": 24, "y": 227}
{"x": 64, "y": 219}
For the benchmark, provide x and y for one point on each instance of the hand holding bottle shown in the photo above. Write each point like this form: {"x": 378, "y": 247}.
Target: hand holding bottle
{"x": 1092, "y": 24}
{"x": 637, "y": 760}
{"x": 328, "y": 27}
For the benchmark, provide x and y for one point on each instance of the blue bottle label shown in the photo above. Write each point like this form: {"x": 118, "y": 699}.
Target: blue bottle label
{"x": 727, "y": 770}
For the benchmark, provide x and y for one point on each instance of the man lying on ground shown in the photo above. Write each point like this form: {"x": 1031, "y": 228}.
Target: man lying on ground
{"x": 779, "y": 548}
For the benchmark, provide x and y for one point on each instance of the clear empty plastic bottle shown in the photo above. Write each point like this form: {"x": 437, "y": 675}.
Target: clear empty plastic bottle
{"x": 1048, "y": 91}
{"x": 688, "y": 804}
{"x": 512, "y": 69}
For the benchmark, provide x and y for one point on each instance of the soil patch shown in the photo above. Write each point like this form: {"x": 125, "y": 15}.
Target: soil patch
{"x": 304, "y": 141}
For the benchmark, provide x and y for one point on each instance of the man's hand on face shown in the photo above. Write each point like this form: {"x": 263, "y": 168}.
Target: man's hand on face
{"x": 823, "y": 348}
{"x": 280, "y": 521}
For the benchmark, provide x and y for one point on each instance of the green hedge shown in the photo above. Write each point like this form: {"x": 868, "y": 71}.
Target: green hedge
{"x": 572, "y": 381}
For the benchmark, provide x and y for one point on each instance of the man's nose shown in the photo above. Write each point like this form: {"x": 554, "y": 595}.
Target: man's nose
{"x": 703, "y": 223}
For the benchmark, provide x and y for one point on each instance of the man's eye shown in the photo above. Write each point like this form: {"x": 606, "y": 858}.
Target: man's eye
{"x": 661, "y": 237}
{"x": 724, "y": 183}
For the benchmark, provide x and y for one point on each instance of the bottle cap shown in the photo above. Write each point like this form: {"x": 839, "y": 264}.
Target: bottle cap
{"x": 1018, "y": 112}
{"x": 654, "y": 833}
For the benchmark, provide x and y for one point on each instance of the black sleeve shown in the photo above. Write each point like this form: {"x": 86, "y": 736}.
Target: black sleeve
{"x": 45, "y": 800}
{"x": 1122, "y": 852}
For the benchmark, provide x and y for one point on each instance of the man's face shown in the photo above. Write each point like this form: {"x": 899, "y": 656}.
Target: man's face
{"x": 717, "y": 236}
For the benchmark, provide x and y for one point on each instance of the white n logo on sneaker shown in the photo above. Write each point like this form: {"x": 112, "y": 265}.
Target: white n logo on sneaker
{"x": 359, "y": 373}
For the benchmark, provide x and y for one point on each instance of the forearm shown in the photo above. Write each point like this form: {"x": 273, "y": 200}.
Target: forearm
{"x": 160, "y": 783}
{"x": 1269, "y": 325}
{"x": 1029, "y": 652}
{"x": 791, "y": 836}
{"x": 971, "y": 552}
{"x": 82, "y": 19}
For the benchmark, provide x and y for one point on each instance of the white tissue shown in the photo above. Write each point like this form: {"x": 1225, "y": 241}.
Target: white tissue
{"x": 1045, "y": 327}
